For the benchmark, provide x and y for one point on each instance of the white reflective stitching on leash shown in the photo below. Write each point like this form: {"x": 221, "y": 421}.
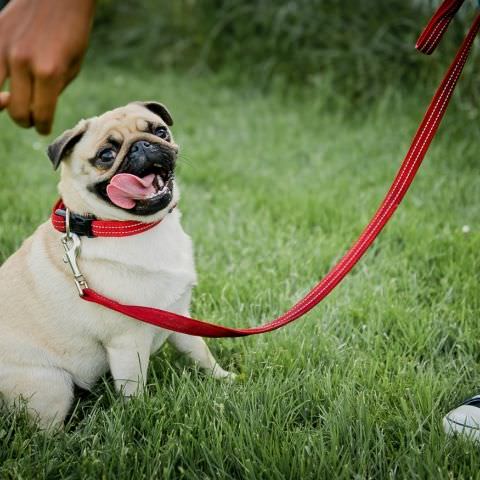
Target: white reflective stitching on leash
{"x": 307, "y": 301}
{"x": 412, "y": 160}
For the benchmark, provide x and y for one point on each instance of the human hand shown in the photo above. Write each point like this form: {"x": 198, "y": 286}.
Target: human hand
{"x": 42, "y": 44}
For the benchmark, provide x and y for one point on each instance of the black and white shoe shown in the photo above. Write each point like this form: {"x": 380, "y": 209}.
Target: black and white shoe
{"x": 465, "y": 419}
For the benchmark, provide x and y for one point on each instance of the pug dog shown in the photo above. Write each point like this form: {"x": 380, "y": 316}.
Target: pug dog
{"x": 116, "y": 166}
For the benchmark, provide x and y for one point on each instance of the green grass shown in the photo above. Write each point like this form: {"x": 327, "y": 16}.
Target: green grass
{"x": 364, "y": 46}
{"x": 275, "y": 188}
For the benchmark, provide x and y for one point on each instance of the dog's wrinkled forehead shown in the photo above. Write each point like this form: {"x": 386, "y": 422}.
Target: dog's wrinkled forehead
{"x": 121, "y": 124}
{"x": 124, "y": 122}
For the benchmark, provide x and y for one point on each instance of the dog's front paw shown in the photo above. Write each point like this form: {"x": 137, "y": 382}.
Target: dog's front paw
{"x": 230, "y": 377}
{"x": 221, "y": 374}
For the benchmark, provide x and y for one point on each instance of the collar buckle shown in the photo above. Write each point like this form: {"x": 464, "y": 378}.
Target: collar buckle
{"x": 77, "y": 224}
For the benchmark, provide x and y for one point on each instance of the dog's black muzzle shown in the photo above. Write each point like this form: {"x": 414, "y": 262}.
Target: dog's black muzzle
{"x": 144, "y": 158}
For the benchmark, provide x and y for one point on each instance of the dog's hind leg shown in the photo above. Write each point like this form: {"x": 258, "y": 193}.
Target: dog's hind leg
{"x": 47, "y": 392}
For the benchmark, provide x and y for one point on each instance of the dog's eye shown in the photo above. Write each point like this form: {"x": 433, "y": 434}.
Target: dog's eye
{"x": 106, "y": 156}
{"x": 162, "y": 132}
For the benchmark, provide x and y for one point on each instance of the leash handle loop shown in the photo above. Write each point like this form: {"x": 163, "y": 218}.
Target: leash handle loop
{"x": 436, "y": 27}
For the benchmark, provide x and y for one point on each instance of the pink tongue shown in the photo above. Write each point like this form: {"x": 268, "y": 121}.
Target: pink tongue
{"x": 125, "y": 188}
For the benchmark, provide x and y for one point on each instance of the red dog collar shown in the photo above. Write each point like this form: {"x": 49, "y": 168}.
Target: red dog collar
{"x": 89, "y": 226}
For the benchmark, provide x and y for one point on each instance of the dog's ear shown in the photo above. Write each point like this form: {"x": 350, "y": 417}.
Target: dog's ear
{"x": 158, "y": 109}
{"x": 64, "y": 144}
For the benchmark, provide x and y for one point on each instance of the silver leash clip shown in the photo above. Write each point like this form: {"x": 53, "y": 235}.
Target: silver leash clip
{"x": 71, "y": 244}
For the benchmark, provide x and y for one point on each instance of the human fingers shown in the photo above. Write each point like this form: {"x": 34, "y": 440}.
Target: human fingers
{"x": 4, "y": 96}
{"x": 4, "y": 99}
{"x": 20, "y": 91}
{"x": 46, "y": 90}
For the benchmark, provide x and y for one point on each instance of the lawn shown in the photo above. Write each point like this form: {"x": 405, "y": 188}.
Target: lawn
{"x": 275, "y": 188}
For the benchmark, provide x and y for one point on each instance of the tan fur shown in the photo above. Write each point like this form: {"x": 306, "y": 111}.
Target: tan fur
{"x": 50, "y": 338}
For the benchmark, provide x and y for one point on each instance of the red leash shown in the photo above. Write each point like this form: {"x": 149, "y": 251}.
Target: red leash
{"x": 421, "y": 141}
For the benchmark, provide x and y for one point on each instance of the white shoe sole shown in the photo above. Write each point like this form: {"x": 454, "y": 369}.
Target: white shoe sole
{"x": 465, "y": 421}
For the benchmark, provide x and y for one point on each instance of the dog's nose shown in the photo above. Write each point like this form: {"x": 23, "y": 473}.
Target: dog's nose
{"x": 139, "y": 146}
{"x": 144, "y": 155}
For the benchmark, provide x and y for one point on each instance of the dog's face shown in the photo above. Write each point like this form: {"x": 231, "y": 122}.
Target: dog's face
{"x": 119, "y": 165}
